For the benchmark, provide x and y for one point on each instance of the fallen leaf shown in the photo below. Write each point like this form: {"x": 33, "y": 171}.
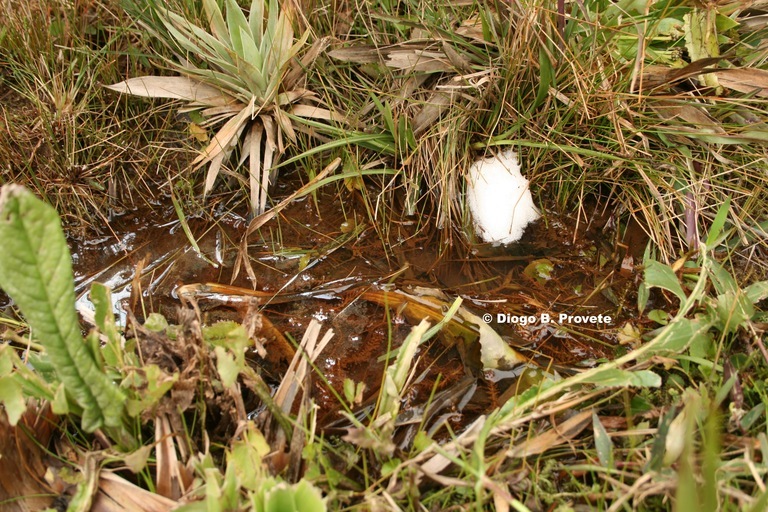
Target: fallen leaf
{"x": 746, "y": 80}
{"x": 556, "y": 436}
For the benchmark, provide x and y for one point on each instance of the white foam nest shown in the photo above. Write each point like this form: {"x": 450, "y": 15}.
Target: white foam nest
{"x": 499, "y": 199}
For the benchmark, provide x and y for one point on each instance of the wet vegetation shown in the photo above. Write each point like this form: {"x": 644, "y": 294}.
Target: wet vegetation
{"x": 238, "y": 271}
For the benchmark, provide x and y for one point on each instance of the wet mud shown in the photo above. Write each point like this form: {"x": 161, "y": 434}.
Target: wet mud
{"x": 323, "y": 258}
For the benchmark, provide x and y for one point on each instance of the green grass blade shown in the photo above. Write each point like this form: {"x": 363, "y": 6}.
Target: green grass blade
{"x": 36, "y": 271}
{"x": 718, "y": 223}
{"x": 187, "y": 231}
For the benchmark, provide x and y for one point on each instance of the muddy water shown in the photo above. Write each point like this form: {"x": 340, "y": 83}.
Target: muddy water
{"x": 320, "y": 256}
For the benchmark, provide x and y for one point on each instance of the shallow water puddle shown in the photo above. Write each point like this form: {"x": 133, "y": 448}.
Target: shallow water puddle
{"x": 323, "y": 260}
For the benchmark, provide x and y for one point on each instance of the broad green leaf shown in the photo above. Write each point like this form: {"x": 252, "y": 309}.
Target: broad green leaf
{"x": 101, "y": 297}
{"x": 659, "y": 316}
{"x": 245, "y": 459}
{"x": 253, "y": 57}
{"x": 308, "y": 497}
{"x": 756, "y": 291}
{"x": 12, "y": 398}
{"x": 59, "y": 404}
{"x": 701, "y": 39}
{"x": 718, "y": 223}
{"x": 614, "y": 377}
{"x": 733, "y": 310}
{"x": 228, "y": 369}
{"x": 230, "y": 335}
{"x": 603, "y": 443}
{"x": 660, "y": 275}
{"x": 643, "y": 293}
{"x": 36, "y": 271}
{"x": 156, "y": 322}
{"x": 682, "y": 333}
{"x": 722, "y": 280}
{"x": 6, "y": 360}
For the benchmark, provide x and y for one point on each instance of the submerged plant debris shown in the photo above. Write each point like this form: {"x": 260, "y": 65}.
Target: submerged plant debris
{"x": 318, "y": 260}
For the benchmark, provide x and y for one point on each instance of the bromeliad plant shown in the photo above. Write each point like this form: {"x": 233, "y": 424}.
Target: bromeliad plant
{"x": 243, "y": 73}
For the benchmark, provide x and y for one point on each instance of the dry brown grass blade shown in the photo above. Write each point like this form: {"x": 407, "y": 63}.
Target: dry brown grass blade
{"x": 658, "y": 76}
{"x": 269, "y": 151}
{"x": 174, "y": 87}
{"x": 419, "y": 61}
{"x": 117, "y": 494}
{"x": 265, "y": 217}
{"x": 23, "y": 461}
{"x": 746, "y": 80}
{"x": 310, "y": 348}
{"x": 213, "y": 171}
{"x": 254, "y": 163}
{"x": 435, "y": 105}
{"x": 313, "y": 112}
{"x": 693, "y": 114}
{"x": 285, "y": 124}
{"x": 223, "y": 138}
{"x": 557, "y": 435}
{"x": 169, "y": 482}
{"x": 298, "y": 67}
{"x": 357, "y": 54}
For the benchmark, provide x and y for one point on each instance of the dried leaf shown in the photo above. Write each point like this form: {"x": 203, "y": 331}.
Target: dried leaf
{"x": 173, "y": 87}
{"x": 746, "y": 80}
{"x": 357, "y": 54}
{"x": 419, "y": 61}
{"x": 556, "y": 436}
{"x": 312, "y": 112}
{"x": 222, "y": 141}
{"x": 119, "y": 495}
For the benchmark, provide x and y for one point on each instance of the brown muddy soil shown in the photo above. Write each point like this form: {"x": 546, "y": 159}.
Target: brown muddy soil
{"x": 322, "y": 257}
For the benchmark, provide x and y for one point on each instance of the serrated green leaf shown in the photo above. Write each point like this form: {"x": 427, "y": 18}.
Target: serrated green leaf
{"x": 36, "y": 271}
{"x": 308, "y": 497}
{"x": 228, "y": 369}
{"x": 156, "y": 322}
